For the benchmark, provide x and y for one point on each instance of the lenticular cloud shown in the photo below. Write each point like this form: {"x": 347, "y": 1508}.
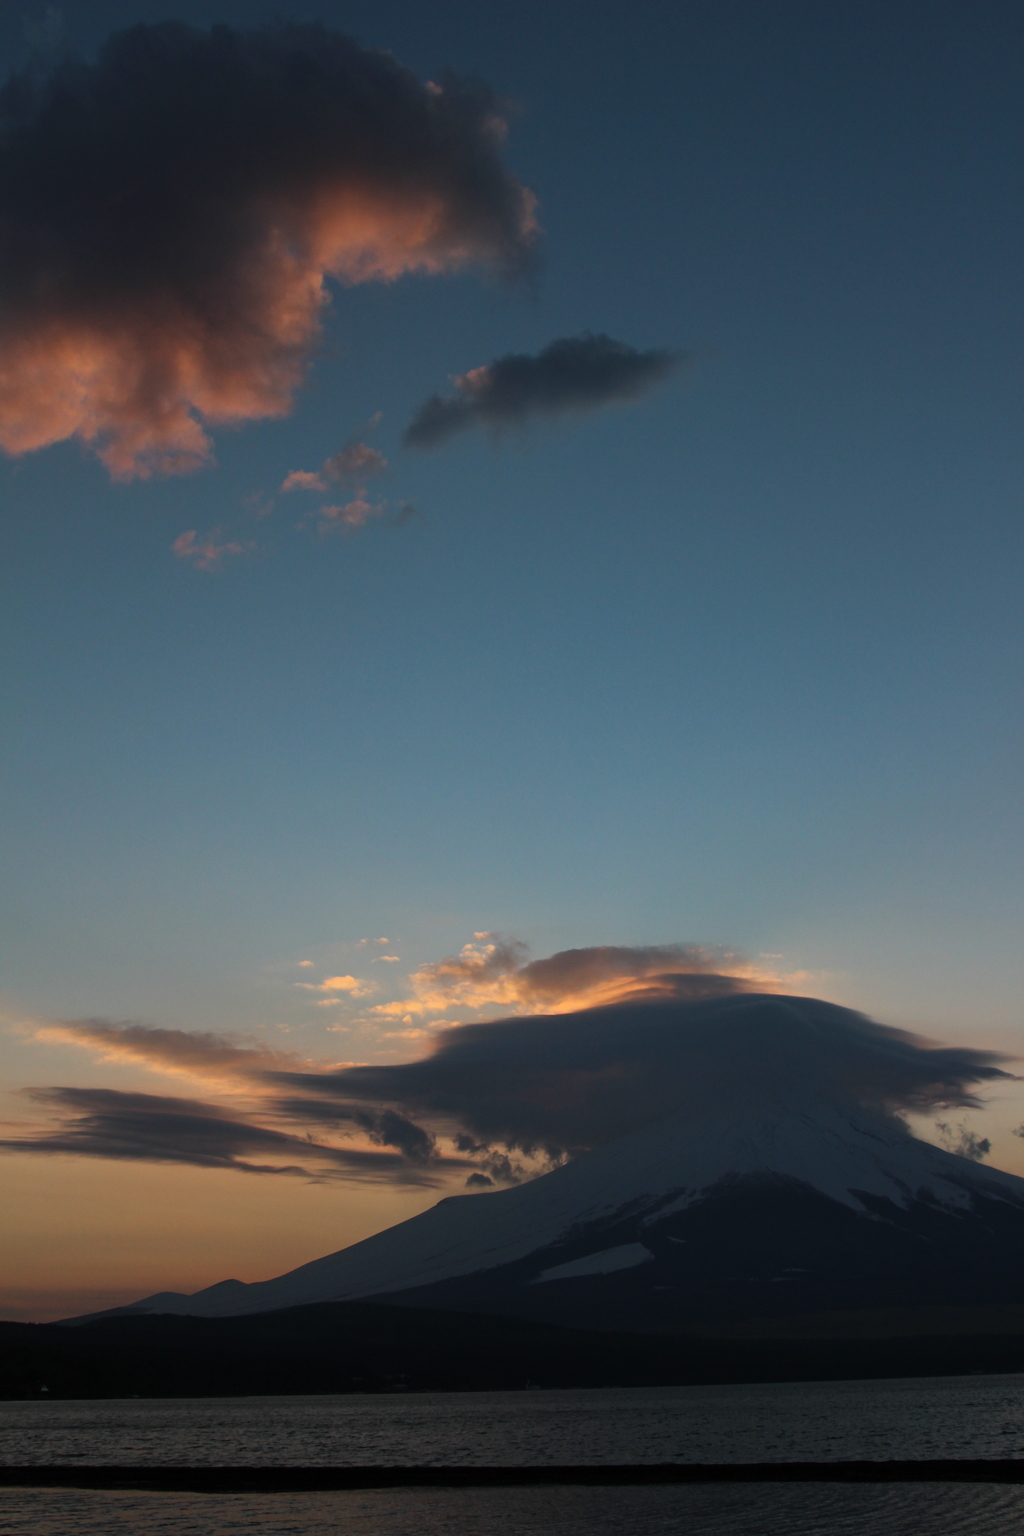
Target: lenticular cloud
{"x": 170, "y": 216}
{"x": 565, "y": 1083}
{"x": 630, "y": 1035}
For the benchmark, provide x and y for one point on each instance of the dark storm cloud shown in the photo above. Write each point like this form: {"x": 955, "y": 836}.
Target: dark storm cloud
{"x": 145, "y": 1127}
{"x": 170, "y": 216}
{"x": 562, "y": 1083}
{"x": 574, "y": 373}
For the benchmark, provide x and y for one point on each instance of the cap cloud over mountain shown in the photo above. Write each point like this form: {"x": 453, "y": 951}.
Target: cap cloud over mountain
{"x": 627, "y": 1037}
{"x": 564, "y": 1083}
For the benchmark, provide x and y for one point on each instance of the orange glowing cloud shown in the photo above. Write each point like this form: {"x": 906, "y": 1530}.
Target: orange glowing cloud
{"x": 337, "y": 986}
{"x": 172, "y": 216}
{"x": 495, "y": 972}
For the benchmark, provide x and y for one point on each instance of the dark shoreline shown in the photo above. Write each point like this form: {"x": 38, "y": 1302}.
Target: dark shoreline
{"x": 339, "y": 1479}
{"x": 357, "y": 1347}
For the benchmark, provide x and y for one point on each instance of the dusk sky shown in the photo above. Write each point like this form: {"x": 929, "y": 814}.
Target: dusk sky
{"x": 554, "y": 485}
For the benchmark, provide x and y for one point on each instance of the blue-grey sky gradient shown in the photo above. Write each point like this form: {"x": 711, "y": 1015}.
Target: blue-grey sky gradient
{"x": 737, "y": 663}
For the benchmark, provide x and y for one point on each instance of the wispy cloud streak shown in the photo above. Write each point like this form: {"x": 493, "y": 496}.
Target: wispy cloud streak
{"x": 143, "y": 1127}
{"x": 193, "y": 1053}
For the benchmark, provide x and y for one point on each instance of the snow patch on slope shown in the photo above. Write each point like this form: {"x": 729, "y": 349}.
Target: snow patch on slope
{"x": 607, "y": 1262}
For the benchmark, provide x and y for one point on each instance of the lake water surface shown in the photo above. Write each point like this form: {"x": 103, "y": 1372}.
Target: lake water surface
{"x": 979, "y": 1416}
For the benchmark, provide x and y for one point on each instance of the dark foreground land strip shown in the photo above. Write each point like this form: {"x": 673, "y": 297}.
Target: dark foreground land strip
{"x": 329, "y": 1479}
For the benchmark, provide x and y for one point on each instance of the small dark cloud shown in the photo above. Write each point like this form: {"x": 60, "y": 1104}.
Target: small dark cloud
{"x": 963, "y": 1141}
{"x": 172, "y": 213}
{"x": 392, "y": 1130}
{"x": 386, "y": 1127}
{"x": 574, "y": 373}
